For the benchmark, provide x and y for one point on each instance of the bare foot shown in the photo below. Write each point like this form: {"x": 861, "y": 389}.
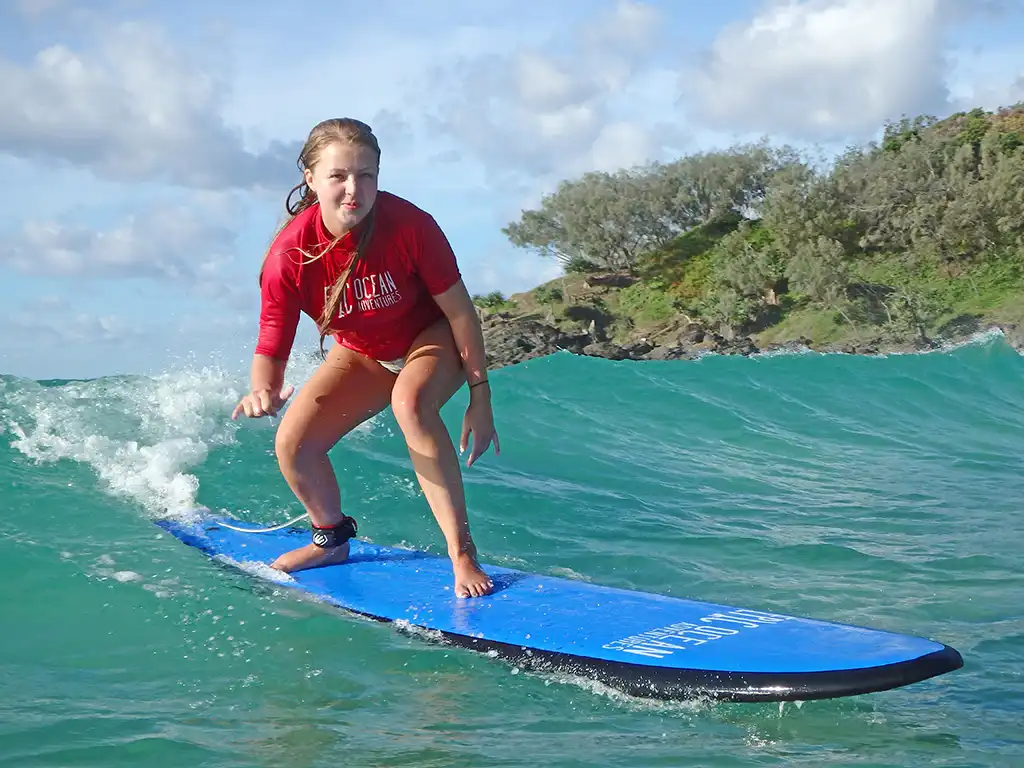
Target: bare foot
{"x": 310, "y": 556}
{"x": 470, "y": 581}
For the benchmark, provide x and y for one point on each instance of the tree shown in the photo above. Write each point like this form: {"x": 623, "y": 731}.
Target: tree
{"x": 604, "y": 220}
{"x": 703, "y": 187}
{"x": 748, "y": 262}
{"x": 909, "y": 310}
{"x": 818, "y": 269}
{"x": 728, "y": 308}
{"x": 600, "y": 219}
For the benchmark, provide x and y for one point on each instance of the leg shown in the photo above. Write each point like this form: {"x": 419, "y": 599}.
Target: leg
{"x": 345, "y": 391}
{"x": 432, "y": 374}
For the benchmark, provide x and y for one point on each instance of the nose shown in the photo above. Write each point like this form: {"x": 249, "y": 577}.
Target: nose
{"x": 350, "y": 185}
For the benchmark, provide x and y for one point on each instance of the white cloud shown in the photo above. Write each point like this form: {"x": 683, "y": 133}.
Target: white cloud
{"x": 554, "y": 112}
{"x": 188, "y": 244}
{"x": 631, "y": 27}
{"x": 53, "y": 320}
{"x": 133, "y": 108}
{"x": 824, "y": 68}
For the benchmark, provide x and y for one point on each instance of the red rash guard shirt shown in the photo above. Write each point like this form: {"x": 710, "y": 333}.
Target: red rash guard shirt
{"x": 388, "y": 298}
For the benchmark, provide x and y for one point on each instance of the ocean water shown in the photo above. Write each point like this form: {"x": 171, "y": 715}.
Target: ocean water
{"x": 881, "y": 491}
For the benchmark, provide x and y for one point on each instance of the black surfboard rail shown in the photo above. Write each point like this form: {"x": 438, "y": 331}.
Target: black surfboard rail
{"x": 645, "y": 681}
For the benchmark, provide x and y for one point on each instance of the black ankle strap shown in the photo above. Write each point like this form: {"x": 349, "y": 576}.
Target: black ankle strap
{"x": 335, "y": 536}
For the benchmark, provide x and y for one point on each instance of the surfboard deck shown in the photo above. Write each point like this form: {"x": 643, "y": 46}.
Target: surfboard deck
{"x": 641, "y": 643}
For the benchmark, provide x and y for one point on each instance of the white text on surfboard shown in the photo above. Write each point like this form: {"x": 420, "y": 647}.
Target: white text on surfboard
{"x": 664, "y": 641}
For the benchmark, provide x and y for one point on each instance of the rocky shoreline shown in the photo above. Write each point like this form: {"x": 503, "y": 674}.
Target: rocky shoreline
{"x": 510, "y": 340}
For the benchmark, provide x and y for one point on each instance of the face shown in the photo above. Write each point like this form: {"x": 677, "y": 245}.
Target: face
{"x": 344, "y": 179}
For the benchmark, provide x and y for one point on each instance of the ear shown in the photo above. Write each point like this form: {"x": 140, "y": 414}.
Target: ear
{"x": 307, "y": 175}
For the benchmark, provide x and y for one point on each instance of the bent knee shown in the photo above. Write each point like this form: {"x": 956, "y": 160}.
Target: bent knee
{"x": 292, "y": 450}
{"x": 413, "y": 405}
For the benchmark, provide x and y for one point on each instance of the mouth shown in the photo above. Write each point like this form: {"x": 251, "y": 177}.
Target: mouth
{"x": 350, "y": 206}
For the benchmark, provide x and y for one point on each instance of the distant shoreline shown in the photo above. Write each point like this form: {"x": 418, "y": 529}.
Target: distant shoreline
{"x": 511, "y": 340}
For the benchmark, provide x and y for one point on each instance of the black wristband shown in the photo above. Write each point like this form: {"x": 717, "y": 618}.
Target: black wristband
{"x": 482, "y": 381}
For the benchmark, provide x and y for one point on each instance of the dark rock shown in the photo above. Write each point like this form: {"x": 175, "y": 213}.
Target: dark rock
{"x": 739, "y": 345}
{"x": 872, "y": 347}
{"x": 596, "y": 320}
{"x": 960, "y": 327}
{"x": 711, "y": 342}
{"x": 661, "y": 353}
{"x": 637, "y": 349}
{"x": 511, "y": 341}
{"x": 606, "y": 350}
{"x": 794, "y": 345}
{"x": 1013, "y": 334}
{"x": 672, "y": 353}
{"x": 610, "y": 280}
{"x": 692, "y": 333}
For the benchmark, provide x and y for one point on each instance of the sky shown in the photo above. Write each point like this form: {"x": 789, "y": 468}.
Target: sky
{"x": 146, "y": 148}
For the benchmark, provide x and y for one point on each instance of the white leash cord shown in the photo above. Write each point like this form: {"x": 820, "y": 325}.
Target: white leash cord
{"x": 264, "y": 530}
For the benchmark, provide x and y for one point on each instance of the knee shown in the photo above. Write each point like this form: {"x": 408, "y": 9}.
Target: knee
{"x": 412, "y": 406}
{"x": 288, "y": 447}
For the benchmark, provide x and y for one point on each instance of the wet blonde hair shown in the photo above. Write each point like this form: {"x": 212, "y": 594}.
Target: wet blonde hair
{"x": 341, "y": 130}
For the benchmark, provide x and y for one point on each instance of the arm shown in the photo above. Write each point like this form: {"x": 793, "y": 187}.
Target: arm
{"x": 469, "y": 339}
{"x": 267, "y": 373}
{"x": 279, "y": 319}
{"x": 436, "y": 264}
{"x": 267, "y": 396}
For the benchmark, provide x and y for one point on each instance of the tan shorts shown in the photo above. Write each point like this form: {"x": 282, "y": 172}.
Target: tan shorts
{"x": 395, "y": 366}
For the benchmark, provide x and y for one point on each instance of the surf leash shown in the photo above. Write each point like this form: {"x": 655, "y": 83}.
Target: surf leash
{"x": 263, "y": 530}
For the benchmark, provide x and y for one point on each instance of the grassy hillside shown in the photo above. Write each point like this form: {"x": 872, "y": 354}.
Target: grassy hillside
{"x": 919, "y": 237}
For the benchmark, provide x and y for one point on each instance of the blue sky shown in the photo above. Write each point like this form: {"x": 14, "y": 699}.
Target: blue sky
{"x": 146, "y": 148}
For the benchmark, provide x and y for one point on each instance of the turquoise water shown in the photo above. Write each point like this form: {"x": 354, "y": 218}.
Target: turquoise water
{"x": 882, "y": 491}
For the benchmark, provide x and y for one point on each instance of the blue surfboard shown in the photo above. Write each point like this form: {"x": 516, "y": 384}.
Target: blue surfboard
{"x": 641, "y": 643}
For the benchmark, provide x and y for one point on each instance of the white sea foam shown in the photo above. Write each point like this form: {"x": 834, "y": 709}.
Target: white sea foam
{"x": 431, "y": 635}
{"x": 259, "y": 569}
{"x": 676, "y": 707}
{"x": 569, "y": 573}
{"x": 141, "y": 435}
{"x": 784, "y": 351}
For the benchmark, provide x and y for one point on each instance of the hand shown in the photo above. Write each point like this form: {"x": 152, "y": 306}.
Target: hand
{"x": 262, "y": 402}
{"x": 480, "y": 421}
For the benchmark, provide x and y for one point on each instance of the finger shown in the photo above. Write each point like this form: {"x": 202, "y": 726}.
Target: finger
{"x": 282, "y": 397}
{"x": 479, "y": 446}
{"x": 266, "y": 404}
{"x": 464, "y": 441}
{"x": 238, "y": 409}
{"x": 497, "y": 448}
